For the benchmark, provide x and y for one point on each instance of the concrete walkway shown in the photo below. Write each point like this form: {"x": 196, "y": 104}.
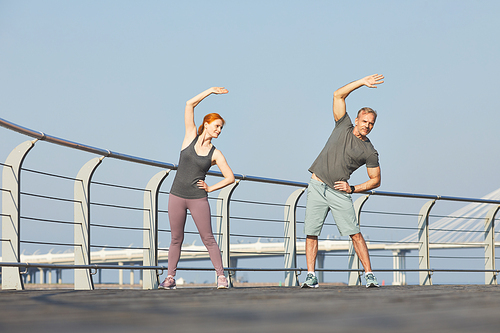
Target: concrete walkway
{"x": 461, "y": 308}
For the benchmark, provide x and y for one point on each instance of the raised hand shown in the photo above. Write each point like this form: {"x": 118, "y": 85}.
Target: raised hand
{"x": 219, "y": 90}
{"x": 371, "y": 81}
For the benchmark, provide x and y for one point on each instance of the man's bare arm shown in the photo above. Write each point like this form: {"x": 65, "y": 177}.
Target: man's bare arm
{"x": 373, "y": 182}
{"x": 339, "y": 96}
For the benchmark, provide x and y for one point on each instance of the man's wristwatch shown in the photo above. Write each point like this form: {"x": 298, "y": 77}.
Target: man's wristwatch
{"x": 352, "y": 189}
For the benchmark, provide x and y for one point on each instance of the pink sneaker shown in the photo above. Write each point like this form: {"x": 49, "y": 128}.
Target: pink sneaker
{"x": 168, "y": 283}
{"x": 222, "y": 282}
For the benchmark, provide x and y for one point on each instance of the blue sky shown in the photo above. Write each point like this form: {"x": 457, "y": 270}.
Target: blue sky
{"x": 116, "y": 75}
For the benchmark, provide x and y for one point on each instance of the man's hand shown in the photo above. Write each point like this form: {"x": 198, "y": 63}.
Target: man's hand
{"x": 339, "y": 96}
{"x": 219, "y": 90}
{"x": 371, "y": 81}
{"x": 342, "y": 186}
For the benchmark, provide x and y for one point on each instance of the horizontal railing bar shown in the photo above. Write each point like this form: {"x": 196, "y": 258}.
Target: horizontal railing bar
{"x": 280, "y": 254}
{"x": 256, "y": 219}
{"x": 388, "y": 213}
{"x": 452, "y": 257}
{"x": 458, "y": 217}
{"x": 259, "y": 236}
{"x": 120, "y": 186}
{"x": 116, "y": 227}
{"x": 46, "y": 220}
{"x": 261, "y": 179}
{"x": 469, "y": 244}
{"x": 369, "y": 241}
{"x": 259, "y": 203}
{"x": 117, "y": 206}
{"x": 49, "y": 243}
{"x": 457, "y": 230}
{"x": 48, "y": 197}
{"x": 186, "y": 232}
{"x": 95, "y": 266}
{"x": 162, "y": 268}
{"x": 48, "y": 174}
{"x": 429, "y": 196}
{"x": 388, "y": 227}
{"x": 118, "y": 247}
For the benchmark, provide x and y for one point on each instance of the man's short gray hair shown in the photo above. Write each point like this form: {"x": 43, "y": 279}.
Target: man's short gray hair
{"x": 367, "y": 110}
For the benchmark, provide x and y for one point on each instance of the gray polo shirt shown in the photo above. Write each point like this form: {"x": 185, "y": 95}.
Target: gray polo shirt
{"x": 343, "y": 154}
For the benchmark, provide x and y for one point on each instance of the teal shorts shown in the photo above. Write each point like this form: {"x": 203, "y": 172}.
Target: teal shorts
{"x": 321, "y": 198}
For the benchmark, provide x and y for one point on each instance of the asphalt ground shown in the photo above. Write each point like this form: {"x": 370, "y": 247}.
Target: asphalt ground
{"x": 446, "y": 308}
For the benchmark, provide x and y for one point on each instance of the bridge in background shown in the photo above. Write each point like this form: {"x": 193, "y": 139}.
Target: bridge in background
{"x": 472, "y": 226}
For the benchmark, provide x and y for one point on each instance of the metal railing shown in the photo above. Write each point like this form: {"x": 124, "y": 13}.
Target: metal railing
{"x": 227, "y": 224}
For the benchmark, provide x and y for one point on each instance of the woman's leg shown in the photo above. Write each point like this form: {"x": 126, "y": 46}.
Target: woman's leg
{"x": 200, "y": 211}
{"x": 177, "y": 211}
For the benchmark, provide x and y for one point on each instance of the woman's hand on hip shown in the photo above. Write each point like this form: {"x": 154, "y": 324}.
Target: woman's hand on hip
{"x": 202, "y": 185}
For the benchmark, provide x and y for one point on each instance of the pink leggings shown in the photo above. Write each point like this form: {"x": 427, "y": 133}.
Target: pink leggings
{"x": 200, "y": 211}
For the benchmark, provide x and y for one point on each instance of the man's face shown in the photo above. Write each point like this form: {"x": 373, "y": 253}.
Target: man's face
{"x": 365, "y": 122}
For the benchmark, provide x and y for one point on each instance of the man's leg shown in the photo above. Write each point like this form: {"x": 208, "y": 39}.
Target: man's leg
{"x": 316, "y": 211}
{"x": 311, "y": 252}
{"x": 361, "y": 249}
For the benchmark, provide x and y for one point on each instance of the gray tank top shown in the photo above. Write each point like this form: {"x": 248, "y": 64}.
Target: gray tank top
{"x": 192, "y": 167}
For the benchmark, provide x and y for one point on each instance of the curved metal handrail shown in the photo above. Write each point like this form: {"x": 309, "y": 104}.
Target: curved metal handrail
{"x": 108, "y": 153}
{"x": 112, "y": 154}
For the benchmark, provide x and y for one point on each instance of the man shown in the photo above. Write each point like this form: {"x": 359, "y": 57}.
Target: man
{"x": 346, "y": 150}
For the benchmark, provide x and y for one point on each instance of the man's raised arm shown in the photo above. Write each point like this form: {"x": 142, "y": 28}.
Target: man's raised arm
{"x": 339, "y": 96}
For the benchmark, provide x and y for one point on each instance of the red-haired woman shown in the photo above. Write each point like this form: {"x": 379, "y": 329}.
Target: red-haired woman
{"x": 189, "y": 190}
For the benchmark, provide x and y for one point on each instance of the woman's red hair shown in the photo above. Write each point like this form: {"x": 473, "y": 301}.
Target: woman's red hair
{"x": 208, "y": 119}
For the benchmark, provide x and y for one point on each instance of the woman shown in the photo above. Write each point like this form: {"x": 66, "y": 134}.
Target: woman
{"x": 189, "y": 190}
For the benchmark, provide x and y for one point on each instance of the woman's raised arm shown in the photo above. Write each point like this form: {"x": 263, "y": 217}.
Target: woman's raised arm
{"x": 189, "y": 124}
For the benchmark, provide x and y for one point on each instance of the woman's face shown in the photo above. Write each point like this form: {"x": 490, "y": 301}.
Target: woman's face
{"x": 214, "y": 128}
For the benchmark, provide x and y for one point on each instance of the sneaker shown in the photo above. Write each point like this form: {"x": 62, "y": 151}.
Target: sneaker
{"x": 168, "y": 283}
{"x": 311, "y": 282}
{"x": 222, "y": 282}
{"x": 371, "y": 281}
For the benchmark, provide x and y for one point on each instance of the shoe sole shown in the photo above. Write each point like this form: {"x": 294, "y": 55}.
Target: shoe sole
{"x": 305, "y": 285}
{"x": 167, "y": 288}
{"x": 372, "y": 285}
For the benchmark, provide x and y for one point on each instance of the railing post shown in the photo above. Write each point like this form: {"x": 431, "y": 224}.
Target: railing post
{"x": 150, "y": 233}
{"x": 489, "y": 245}
{"x": 354, "y": 277}
{"x": 423, "y": 243}
{"x": 11, "y": 218}
{"x": 223, "y": 236}
{"x": 399, "y": 264}
{"x": 290, "y": 246}
{"x": 83, "y": 278}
